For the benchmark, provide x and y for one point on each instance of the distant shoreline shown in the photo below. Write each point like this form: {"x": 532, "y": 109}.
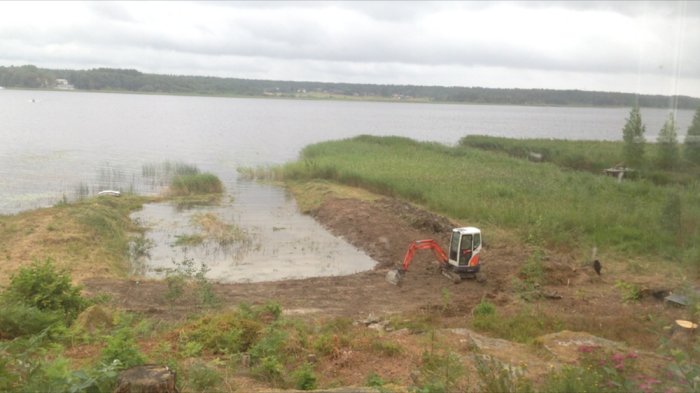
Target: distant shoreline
{"x": 131, "y": 81}
{"x": 334, "y": 98}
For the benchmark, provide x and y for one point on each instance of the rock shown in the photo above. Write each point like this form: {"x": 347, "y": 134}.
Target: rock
{"x": 515, "y": 357}
{"x": 94, "y": 318}
{"x": 565, "y": 345}
{"x": 311, "y": 358}
{"x": 147, "y": 379}
{"x": 400, "y": 332}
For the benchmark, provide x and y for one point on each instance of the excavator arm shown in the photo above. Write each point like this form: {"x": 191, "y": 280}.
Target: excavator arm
{"x": 424, "y": 245}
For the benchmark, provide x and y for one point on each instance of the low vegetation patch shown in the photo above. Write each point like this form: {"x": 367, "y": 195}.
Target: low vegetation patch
{"x": 91, "y": 236}
{"x": 215, "y": 229}
{"x": 523, "y": 326}
{"x": 195, "y": 184}
{"x": 210, "y": 352}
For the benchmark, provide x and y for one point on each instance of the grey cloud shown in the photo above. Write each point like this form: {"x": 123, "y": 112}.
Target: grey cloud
{"x": 111, "y": 11}
{"x": 352, "y": 39}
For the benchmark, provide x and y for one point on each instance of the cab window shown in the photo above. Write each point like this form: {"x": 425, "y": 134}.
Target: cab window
{"x": 454, "y": 245}
{"x": 477, "y": 240}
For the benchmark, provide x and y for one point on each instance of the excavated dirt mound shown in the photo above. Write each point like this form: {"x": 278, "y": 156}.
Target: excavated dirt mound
{"x": 384, "y": 228}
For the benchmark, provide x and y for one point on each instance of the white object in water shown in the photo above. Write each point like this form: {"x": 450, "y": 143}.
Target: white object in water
{"x": 110, "y": 193}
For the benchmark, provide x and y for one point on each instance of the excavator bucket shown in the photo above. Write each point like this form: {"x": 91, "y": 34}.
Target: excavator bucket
{"x": 395, "y": 277}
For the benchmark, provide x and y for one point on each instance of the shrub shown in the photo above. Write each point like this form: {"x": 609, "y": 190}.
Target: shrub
{"x": 386, "y": 348}
{"x": 630, "y": 292}
{"x": 484, "y": 308}
{"x": 122, "y": 347}
{"x": 304, "y": 377}
{"x": 270, "y": 370}
{"x": 176, "y": 286}
{"x": 227, "y": 333}
{"x": 496, "y": 377}
{"x": 440, "y": 371}
{"x": 374, "y": 380}
{"x": 203, "y": 377}
{"x": 18, "y": 320}
{"x": 572, "y": 379}
{"x": 41, "y": 286}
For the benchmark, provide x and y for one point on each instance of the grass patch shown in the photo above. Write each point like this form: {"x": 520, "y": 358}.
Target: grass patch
{"x": 88, "y": 237}
{"x": 215, "y": 229}
{"x": 195, "y": 184}
{"x": 309, "y": 195}
{"x": 522, "y": 327}
{"x": 189, "y": 240}
{"x": 589, "y": 156}
{"x": 570, "y": 210}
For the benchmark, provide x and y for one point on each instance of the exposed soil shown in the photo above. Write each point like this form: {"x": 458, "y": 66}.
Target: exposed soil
{"x": 383, "y": 229}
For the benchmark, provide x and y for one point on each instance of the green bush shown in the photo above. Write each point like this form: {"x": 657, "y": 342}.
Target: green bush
{"x": 122, "y": 347}
{"x": 41, "y": 286}
{"x": 270, "y": 343}
{"x": 484, "y": 308}
{"x": 304, "y": 377}
{"x": 270, "y": 370}
{"x": 203, "y": 377}
{"x": 226, "y": 333}
{"x": 18, "y": 320}
{"x": 374, "y": 380}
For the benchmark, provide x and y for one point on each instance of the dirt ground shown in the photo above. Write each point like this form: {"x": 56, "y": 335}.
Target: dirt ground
{"x": 383, "y": 228}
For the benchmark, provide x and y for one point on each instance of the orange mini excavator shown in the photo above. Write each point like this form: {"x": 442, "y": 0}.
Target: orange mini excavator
{"x": 462, "y": 262}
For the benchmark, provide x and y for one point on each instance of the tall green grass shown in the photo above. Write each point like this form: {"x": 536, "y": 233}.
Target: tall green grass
{"x": 195, "y": 184}
{"x": 566, "y": 209}
{"x": 592, "y": 156}
{"x": 589, "y": 156}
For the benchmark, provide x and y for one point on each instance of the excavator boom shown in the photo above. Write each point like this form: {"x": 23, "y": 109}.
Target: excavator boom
{"x": 424, "y": 245}
{"x": 396, "y": 276}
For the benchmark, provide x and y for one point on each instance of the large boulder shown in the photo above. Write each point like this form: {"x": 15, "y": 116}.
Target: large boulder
{"x": 147, "y": 379}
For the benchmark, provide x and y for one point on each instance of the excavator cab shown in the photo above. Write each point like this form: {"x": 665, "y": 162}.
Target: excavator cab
{"x": 465, "y": 250}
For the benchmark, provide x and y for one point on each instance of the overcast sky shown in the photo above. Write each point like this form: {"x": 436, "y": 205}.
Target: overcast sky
{"x": 640, "y": 47}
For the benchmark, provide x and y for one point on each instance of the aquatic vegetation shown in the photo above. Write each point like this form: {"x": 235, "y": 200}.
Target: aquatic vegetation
{"x": 214, "y": 228}
{"x": 195, "y": 184}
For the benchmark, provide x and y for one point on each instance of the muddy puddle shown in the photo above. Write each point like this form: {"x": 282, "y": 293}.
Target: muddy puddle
{"x": 254, "y": 234}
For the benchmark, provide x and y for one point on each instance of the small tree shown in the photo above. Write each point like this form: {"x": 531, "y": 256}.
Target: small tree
{"x": 668, "y": 153}
{"x": 633, "y": 136}
{"x": 692, "y": 140}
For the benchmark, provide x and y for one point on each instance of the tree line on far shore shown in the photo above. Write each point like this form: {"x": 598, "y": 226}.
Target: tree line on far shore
{"x": 110, "y": 79}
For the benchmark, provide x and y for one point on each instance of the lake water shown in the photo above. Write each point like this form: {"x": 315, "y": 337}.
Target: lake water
{"x": 56, "y": 144}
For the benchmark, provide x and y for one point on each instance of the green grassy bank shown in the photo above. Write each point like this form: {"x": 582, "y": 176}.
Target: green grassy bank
{"x": 541, "y": 201}
{"x": 588, "y": 156}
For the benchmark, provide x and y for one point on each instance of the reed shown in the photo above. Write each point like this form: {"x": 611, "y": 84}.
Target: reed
{"x": 565, "y": 208}
{"x": 195, "y": 184}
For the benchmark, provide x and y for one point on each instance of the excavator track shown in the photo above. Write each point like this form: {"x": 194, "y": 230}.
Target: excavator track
{"x": 454, "y": 277}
